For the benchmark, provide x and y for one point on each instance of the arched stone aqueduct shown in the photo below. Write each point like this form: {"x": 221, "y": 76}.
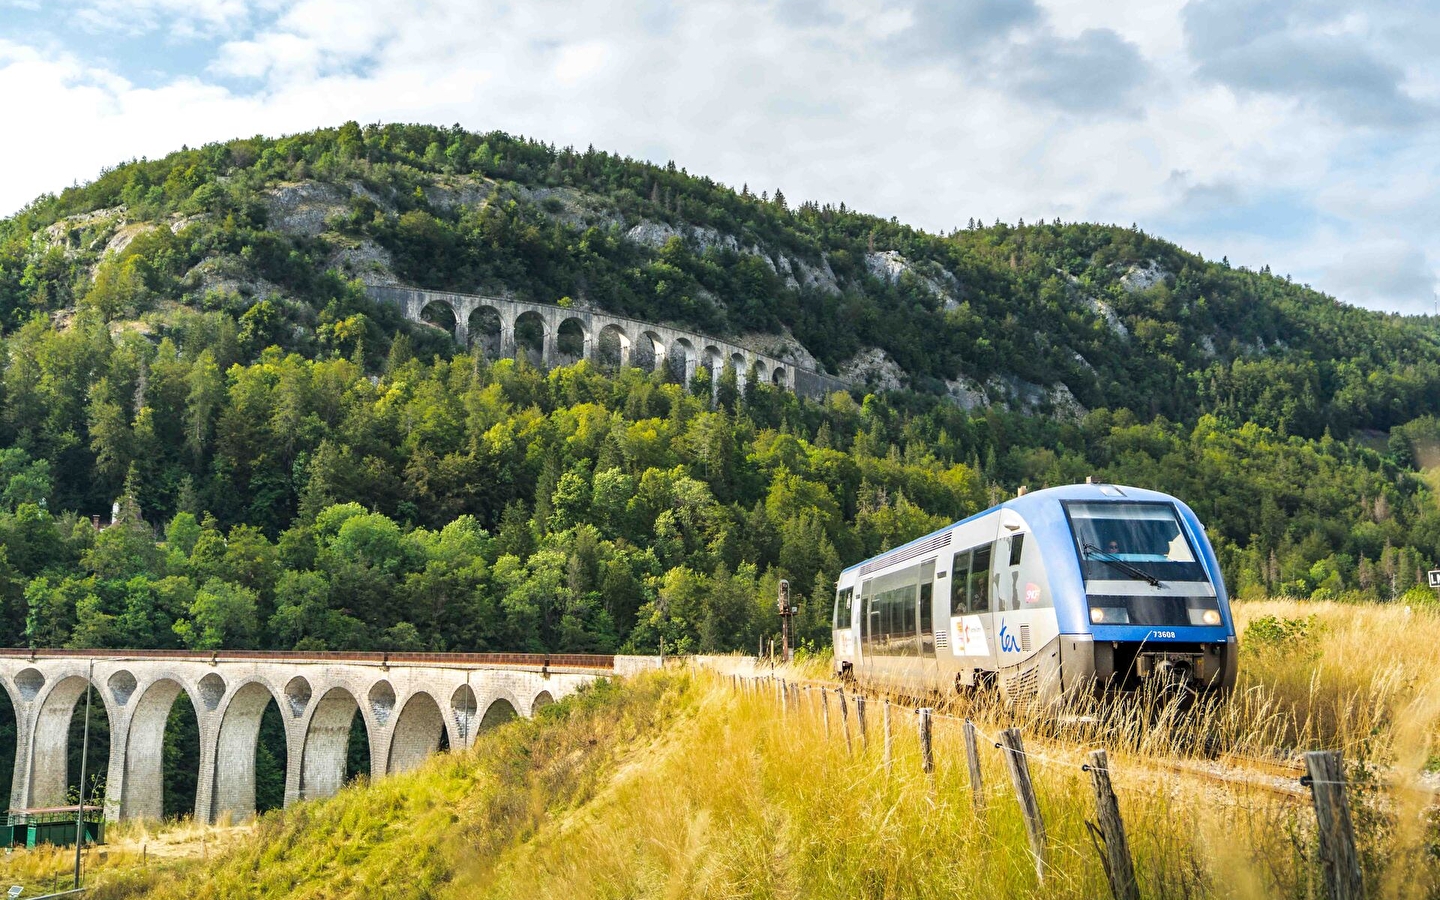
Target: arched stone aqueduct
{"x": 406, "y": 701}
{"x": 567, "y": 335}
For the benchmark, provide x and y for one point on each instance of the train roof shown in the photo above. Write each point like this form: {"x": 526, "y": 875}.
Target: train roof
{"x": 1032, "y": 499}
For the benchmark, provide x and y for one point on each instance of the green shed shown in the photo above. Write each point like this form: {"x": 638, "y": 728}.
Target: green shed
{"x": 54, "y": 825}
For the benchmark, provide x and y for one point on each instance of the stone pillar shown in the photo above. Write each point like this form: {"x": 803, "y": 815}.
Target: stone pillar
{"x": 323, "y": 761}
{"x": 231, "y": 787}
{"x": 550, "y": 348}
{"x": 294, "y": 757}
{"x": 205, "y": 783}
{"x": 49, "y": 741}
{"x": 588, "y": 353}
{"x": 626, "y": 359}
{"x": 24, "y": 737}
{"x": 143, "y": 740}
{"x": 507, "y": 339}
{"x": 462, "y": 331}
{"x": 417, "y": 734}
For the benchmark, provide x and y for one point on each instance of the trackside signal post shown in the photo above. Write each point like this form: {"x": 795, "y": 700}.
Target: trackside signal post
{"x": 787, "y": 612}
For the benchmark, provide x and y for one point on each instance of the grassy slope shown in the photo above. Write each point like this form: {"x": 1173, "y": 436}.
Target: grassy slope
{"x": 409, "y": 835}
{"x": 674, "y": 786}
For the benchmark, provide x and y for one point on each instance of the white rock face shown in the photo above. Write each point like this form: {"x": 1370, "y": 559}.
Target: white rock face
{"x": 1063, "y": 404}
{"x": 229, "y": 275}
{"x": 1017, "y": 394}
{"x": 652, "y": 234}
{"x": 821, "y": 278}
{"x": 875, "y": 369}
{"x": 366, "y": 260}
{"x": 302, "y": 207}
{"x": 782, "y": 346}
{"x": 795, "y": 271}
{"x": 458, "y": 190}
{"x": 967, "y": 393}
{"x": 1103, "y": 310}
{"x": 571, "y": 208}
{"x": 889, "y": 265}
{"x": 57, "y": 233}
{"x": 125, "y": 234}
{"x": 1139, "y": 278}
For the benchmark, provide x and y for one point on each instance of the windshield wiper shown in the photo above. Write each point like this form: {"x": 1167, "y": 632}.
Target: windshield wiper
{"x": 1094, "y": 552}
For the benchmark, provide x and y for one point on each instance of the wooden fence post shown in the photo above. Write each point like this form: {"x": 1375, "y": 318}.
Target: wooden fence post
{"x": 1013, "y": 749}
{"x": 825, "y": 708}
{"x": 845, "y": 720}
{"x": 927, "y": 753}
{"x": 972, "y": 760}
{"x": 889, "y": 739}
{"x": 1119, "y": 868}
{"x": 1338, "y": 859}
{"x": 860, "y": 718}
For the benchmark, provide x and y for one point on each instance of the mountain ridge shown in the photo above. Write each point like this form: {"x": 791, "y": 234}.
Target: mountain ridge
{"x": 1046, "y": 317}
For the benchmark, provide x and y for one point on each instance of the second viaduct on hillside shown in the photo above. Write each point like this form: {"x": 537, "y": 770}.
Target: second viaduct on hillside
{"x": 407, "y": 703}
{"x": 564, "y": 335}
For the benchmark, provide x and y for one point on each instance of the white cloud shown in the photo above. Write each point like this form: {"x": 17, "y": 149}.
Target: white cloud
{"x": 1084, "y": 110}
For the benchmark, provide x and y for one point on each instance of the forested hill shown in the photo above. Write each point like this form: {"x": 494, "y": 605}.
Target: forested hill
{"x": 1041, "y": 316}
{"x": 297, "y": 467}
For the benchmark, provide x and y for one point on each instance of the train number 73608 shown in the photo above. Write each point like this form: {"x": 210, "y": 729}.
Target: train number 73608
{"x": 1162, "y": 634}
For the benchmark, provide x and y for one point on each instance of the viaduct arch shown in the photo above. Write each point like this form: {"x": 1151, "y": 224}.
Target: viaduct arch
{"x": 551, "y": 335}
{"x": 406, "y": 702}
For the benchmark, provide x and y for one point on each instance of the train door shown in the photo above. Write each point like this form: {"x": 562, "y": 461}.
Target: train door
{"x": 842, "y": 630}
{"x": 1007, "y": 593}
{"x": 1025, "y": 623}
{"x": 926, "y": 599}
{"x": 869, "y": 619}
{"x": 972, "y": 623}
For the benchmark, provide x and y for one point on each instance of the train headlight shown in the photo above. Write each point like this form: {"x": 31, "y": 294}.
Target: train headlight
{"x": 1109, "y": 615}
{"x": 1200, "y": 616}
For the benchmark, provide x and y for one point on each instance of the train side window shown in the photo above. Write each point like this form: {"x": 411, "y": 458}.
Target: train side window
{"x": 1017, "y": 545}
{"x": 843, "y": 608}
{"x": 980, "y": 580}
{"x": 927, "y": 596}
{"x": 959, "y": 583}
{"x": 867, "y": 614}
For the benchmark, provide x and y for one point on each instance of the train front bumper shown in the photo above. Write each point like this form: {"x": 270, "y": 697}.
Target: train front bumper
{"x": 1201, "y": 661}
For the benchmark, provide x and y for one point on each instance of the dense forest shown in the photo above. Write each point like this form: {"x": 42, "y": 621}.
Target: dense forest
{"x": 187, "y": 349}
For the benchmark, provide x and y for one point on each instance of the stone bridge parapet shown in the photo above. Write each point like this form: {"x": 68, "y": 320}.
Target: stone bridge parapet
{"x": 406, "y": 702}
{"x": 569, "y": 334}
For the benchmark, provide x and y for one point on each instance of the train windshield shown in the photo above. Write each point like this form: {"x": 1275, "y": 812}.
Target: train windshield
{"x": 1117, "y": 539}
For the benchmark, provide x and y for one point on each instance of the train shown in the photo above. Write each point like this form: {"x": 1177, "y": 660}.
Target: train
{"x": 1081, "y": 588}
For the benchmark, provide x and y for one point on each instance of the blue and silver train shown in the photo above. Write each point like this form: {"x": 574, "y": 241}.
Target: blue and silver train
{"x": 1085, "y": 587}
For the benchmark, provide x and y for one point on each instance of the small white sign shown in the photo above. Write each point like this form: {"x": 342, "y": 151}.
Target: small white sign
{"x": 15, "y": 891}
{"x": 969, "y": 635}
{"x": 1435, "y": 578}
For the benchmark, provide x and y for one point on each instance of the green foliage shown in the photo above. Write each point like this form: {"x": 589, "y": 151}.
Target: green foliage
{"x": 1282, "y": 635}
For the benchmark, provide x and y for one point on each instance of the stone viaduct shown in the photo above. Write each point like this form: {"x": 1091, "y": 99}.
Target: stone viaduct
{"x": 562, "y": 335}
{"x": 406, "y": 701}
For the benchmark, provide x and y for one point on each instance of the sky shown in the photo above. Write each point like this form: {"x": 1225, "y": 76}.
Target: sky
{"x": 1300, "y": 135}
